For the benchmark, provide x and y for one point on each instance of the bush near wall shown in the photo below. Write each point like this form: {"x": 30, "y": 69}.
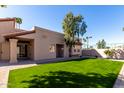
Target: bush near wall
{"x": 109, "y": 53}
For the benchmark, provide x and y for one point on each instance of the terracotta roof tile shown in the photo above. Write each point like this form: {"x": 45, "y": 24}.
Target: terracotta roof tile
{"x": 7, "y": 19}
{"x": 18, "y": 33}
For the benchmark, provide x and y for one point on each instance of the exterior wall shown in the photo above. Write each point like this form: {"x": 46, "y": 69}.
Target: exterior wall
{"x": 43, "y": 38}
{"x": 40, "y": 43}
{"x": 66, "y": 53}
{"x": 7, "y": 26}
{"x": 118, "y": 54}
{"x": 77, "y": 50}
{"x": 31, "y": 50}
{"x": 94, "y": 52}
{"x": 31, "y": 47}
{"x": 0, "y": 50}
{"x": 5, "y": 51}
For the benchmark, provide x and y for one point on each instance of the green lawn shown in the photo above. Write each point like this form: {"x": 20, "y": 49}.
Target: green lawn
{"x": 70, "y": 74}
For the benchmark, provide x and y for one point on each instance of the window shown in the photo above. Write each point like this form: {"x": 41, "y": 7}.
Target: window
{"x": 52, "y": 48}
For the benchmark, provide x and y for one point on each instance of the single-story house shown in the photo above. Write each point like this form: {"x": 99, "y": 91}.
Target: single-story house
{"x": 36, "y": 44}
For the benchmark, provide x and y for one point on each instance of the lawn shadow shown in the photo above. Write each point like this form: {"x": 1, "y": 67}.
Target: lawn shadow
{"x": 64, "y": 79}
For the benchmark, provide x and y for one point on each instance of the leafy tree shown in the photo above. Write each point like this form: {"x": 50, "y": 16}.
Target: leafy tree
{"x": 86, "y": 41}
{"x": 101, "y": 44}
{"x": 73, "y": 26}
{"x": 69, "y": 28}
{"x": 19, "y": 21}
{"x": 3, "y": 6}
{"x": 98, "y": 44}
{"x": 80, "y": 26}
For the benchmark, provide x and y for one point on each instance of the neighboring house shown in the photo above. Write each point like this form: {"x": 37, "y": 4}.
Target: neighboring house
{"x": 37, "y": 44}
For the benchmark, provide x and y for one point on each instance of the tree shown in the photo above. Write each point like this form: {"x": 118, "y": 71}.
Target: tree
{"x": 80, "y": 26}
{"x": 98, "y": 44}
{"x": 86, "y": 40}
{"x": 71, "y": 26}
{"x": 3, "y": 6}
{"x": 68, "y": 27}
{"x": 19, "y": 21}
{"x": 101, "y": 44}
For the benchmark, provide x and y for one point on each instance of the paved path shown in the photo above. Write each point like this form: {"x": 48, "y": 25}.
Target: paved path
{"x": 4, "y": 71}
{"x": 119, "y": 83}
{"x": 117, "y": 60}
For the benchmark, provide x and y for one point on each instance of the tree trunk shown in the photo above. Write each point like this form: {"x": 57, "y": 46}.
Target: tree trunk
{"x": 78, "y": 37}
{"x": 70, "y": 51}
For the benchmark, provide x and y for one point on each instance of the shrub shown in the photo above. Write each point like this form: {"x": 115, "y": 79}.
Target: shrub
{"x": 109, "y": 53}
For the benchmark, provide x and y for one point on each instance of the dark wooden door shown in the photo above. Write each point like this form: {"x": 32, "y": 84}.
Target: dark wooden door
{"x": 59, "y": 50}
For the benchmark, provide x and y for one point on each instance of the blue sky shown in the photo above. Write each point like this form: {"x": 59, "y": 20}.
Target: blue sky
{"x": 104, "y": 22}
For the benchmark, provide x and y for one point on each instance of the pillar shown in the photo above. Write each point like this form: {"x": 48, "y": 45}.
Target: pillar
{"x": 13, "y": 50}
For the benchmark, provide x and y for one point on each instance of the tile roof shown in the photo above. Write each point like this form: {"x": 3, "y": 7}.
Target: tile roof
{"x": 17, "y": 33}
{"x": 7, "y": 19}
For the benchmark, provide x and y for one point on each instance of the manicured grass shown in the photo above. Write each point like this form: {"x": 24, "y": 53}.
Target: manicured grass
{"x": 71, "y": 74}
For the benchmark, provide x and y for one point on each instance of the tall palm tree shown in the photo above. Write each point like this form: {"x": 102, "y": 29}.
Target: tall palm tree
{"x": 19, "y": 21}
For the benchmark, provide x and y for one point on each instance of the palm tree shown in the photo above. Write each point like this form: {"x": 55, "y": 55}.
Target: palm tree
{"x": 19, "y": 21}
{"x": 3, "y": 6}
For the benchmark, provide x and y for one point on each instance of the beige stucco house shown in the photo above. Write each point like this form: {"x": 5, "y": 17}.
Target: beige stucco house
{"x": 37, "y": 44}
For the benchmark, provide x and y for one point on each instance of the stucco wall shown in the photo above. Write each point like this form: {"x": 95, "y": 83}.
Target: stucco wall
{"x": 75, "y": 50}
{"x": 31, "y": 38}
{"x": 6, "y": 26}
{"x": 94, "y": 52}
{"x": 31, "y": 50}
{"x": 0, "y": 50}
{"x": 5, "y": 51}
{"x": 43, "y": 38}
{"x": 118, "y": 53}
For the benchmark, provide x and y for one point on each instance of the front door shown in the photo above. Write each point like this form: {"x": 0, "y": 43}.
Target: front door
{"x": 22, "y": 51}
{"x": 59, "y": 50}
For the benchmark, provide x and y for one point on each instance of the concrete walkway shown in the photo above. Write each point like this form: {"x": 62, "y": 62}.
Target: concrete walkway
{"x": 119, "y": 83}
{"x": 6, "y": 67}
{"x": 117, "y": 60}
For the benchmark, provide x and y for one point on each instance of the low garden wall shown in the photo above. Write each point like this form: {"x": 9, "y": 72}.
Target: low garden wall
{"x": 118, "y": 53}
